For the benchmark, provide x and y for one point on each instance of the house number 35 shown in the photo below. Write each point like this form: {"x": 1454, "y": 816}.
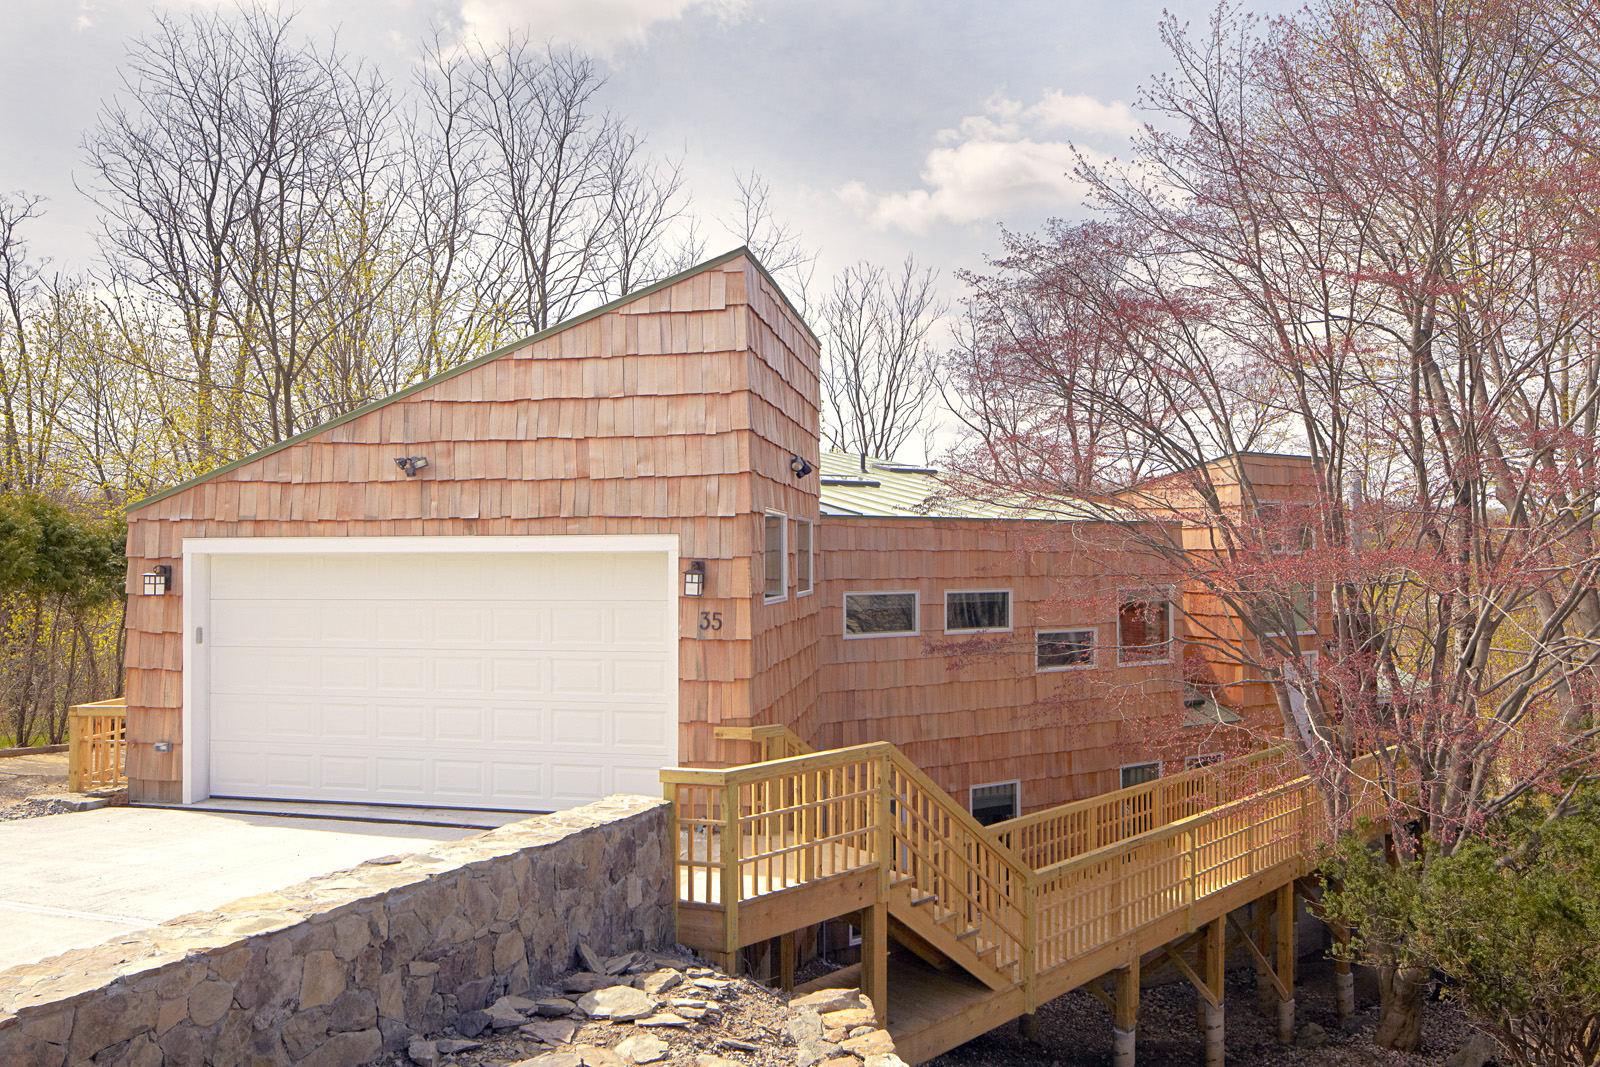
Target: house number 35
{"x": 711, "y": 620}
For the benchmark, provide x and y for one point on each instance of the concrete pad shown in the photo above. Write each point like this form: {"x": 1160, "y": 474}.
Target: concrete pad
{"x": 69, "y": 881}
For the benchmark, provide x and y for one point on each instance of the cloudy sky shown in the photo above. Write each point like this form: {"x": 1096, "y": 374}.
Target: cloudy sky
{"x": 883, "y": 126}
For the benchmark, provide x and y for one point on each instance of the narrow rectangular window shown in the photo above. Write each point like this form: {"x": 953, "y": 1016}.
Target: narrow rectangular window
{"x": 775, "y": 558}
{"x": 996, "y": 803}
{"x": 1140, "y": 773}
{"x": 983, "y": 610}
{"x": 1144, "y": 631}
{"x": 1062, "y": 649}
{"x": 1298, "y": 606}
{"x": 879, "y": 614}
{"x": 1204, "y": 760}
{"x": 802, "y": 556}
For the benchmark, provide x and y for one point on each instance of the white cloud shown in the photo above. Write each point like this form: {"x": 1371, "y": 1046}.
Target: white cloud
{"x": 996, "y": 162}
{"x": 598, "y": 26}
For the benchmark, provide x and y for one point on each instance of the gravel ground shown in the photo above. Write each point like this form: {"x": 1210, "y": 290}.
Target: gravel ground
{"x": 23, "y": 778}
{"x": 1075, "y": 1031}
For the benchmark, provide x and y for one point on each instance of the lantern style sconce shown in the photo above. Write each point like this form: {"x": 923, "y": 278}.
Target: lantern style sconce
{"x": 158, "y": 581}
{"x": 800, "y": 467}
{"x": 694, "y": 579}
{"x": 411, "y": 464}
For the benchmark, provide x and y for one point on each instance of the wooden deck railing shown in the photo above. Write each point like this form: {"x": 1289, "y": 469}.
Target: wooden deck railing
{"x": 1068, "y": 830}
{"x": 777, "y": 742}
{"x": 748, "y": 831}
{"x": 97, "y": 745}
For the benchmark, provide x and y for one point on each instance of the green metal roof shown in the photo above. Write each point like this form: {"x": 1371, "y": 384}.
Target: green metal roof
{"x": 861, "y": 485}
{"x": 412, "y": 390}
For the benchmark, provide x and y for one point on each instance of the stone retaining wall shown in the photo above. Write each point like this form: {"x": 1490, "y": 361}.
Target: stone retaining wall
{"x": 341, "y": 969}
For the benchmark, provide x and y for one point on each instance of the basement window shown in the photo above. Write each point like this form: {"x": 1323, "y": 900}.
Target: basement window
{"x": 976, "y": 612}
{"x": 775, "y": 558}
{"x": 1062, "y": 650}
{"x": 880, "y": 614}
{"x": 996, "y": 802}
{"x": 1140, "y": 773}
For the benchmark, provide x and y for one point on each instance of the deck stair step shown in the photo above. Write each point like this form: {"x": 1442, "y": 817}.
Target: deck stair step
{"x": 965, "y": 949}
{"x": 917, "y": 902}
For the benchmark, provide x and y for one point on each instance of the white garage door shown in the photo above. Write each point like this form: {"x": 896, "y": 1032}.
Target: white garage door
{"x": 528, "y": 681}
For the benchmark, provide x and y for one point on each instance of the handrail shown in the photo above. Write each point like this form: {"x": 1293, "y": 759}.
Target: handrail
{"x": 97, "y": 745}
{"x": 776, "y": 741}
{"x": 1049, "y": 836}
{"x": 744, "y": 832}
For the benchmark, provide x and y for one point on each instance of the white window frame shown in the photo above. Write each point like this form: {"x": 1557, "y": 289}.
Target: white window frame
{"x": 1016, "y": 798}
{"x": 1169, "y": 595}
{"x": 1142, "y": 763}
{"x": 1094, "y": 648}
{"x": 1011, "y": 612}
{"x": 783, "y": 556}
{"x": 811, "y": 557}
{"x": 844, "y": 613}
{"x": 1277, "y": 508}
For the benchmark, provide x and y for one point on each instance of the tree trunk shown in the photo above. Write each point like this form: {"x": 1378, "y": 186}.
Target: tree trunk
{"x": 1400, "y": 1008}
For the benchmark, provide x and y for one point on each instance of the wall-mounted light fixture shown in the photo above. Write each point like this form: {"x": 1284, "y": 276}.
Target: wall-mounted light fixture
{"x": 158, "y": 581}
{"x": 410, "y": 464}
{"x": 694, "y": 578}
{"x": 800, "y": 467}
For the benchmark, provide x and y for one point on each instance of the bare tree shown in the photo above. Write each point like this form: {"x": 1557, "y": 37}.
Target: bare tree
{"x": 879, "y": 369}
{"x": 755, "y": 224}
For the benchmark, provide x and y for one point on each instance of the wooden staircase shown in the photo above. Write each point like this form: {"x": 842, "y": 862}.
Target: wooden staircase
{"x": 988, "y": 922}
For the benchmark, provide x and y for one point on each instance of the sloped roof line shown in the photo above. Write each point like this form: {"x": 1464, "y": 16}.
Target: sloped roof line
{"x": 478, "y": 361}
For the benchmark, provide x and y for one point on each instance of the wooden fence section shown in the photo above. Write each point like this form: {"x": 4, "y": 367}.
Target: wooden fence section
{"x": 97, "y": 752}
{"x": 854, "y": 823}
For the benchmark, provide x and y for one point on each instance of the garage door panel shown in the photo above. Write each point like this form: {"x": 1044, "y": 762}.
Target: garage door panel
{"x": 520, "y": 725}
{"x": 496, "y": 680}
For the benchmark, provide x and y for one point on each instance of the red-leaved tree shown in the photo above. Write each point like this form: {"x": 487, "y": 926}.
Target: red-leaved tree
{"x": 1364, "y": 234}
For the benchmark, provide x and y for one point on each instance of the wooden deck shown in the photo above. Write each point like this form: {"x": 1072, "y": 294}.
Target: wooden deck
{"x": 1010, "y": 916}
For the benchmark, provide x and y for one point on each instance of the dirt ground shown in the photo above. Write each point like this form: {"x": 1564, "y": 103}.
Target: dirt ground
{"x": 1075, "y": 1030}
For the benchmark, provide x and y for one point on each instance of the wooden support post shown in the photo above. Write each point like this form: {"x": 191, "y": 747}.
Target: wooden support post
{"x": 1028, "y": 1027}
{"x": 786, "y": 961}
{"x": 1344, "y": 982}
{"x": 1125, "y": 1018}
{"x": 1285, "y": 961}
{"x": 1216, "y": 958}
{"x": 732, "y": 883}
{"x": 1260, "y": 923}
{"x": 874, "y": 924}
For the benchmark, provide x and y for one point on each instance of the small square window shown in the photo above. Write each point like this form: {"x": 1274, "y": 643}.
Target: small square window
{"x": 1140, "y": 773}
{"x": 774, "y": 558}
{"x": 995, "y": 803}
{"x": 986, "y": 610}
{"x": 802, "y": 556}
{"x": 879, "y": 614}
{"x": 1063, "y": 649}
{"x": 1144, "y": 631}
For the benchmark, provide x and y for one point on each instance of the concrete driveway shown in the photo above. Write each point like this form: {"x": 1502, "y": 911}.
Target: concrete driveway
{"x": 69, "y": 881}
